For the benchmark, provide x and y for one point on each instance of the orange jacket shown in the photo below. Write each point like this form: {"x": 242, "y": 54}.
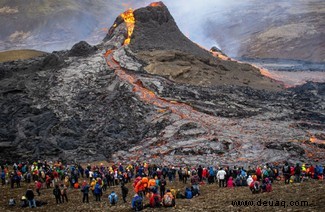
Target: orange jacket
{"x": 139, "y": 187}
{"x": 145, "y": 181}
{"x": 152, "y": 182}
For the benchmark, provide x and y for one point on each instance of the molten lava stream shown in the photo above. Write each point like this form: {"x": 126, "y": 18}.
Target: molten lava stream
{"x": 184, "y": 111}
{"x": 129, "y": 19}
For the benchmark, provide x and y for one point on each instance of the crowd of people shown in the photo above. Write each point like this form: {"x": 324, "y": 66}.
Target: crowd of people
{"x": 149, "y": 181}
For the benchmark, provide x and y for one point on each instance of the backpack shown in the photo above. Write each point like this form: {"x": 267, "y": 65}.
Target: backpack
{"x": 156, "y": 201}
{"x": 265, "y": 173}
{"x": 188, "y": 194}
{"x": 168, "y": 201}
{"x": 138, "y": 206}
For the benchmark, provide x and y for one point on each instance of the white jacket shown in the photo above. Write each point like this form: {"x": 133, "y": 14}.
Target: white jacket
{"x": 249, "y": 180}
{"x": 221, "y": 174}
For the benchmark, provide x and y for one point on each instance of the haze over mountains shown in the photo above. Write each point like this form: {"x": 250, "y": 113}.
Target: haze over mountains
{"x": 289, "y": 29}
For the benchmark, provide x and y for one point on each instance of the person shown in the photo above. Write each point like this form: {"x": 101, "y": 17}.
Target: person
{"x": 211, "y": 175}
{"x": 249, "y": 180}
{"x": 38, "y": 186}
{"x": 24, "y": 202}
{"x": 188, "y": 193}
{"x": 162, "y": 187}
{"x": 286, "y": 173}
{"x": 221, "y": 174}
{"x": 155, "y": 200}
{"x": 137, "y": 203}
{"x": 112, "y": 198}
{"x": 266, "y": 185}
{"x": 195, "y": 182}
{"x": 64, "y": 192}
{"x": 255, "y": 187}
{"x": 200, "y": 172}
{"x": 85, "y": 191}
{"x": 97, "y": 191}
{"x": 179, "y": 194}
{"x": 57, "y": 194}
{"x": 30, "y": 197}
{"x": 297, "y": 172}
{"x": 12, "y": 202}
{"x": 125, "y": 191}
{"x": 168, "y": 199}
{"x": 230, "y": 183}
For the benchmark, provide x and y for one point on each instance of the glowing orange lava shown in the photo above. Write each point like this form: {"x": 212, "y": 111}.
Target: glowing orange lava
{"x": 313, "y": 139}
{"x": 220, "y": 56}
{"x": 129, "y": 19}
{"x": 155, "y": 4}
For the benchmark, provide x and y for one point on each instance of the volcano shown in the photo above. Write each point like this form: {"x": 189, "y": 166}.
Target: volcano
{"x": 149, "y": 93}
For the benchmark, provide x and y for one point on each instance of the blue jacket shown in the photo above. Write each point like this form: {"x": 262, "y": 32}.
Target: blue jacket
{"x": 98, "y": 189}
{"x": 113, "y": 196}
{"x": 136, "y": 198}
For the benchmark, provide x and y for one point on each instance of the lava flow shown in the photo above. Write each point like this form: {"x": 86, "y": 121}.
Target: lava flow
{"x": 129, "y": 19}
{"x": 313, "y": 139}
{"x": 182, "y": 110}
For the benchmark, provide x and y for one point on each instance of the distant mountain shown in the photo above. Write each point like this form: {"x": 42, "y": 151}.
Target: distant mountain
{"x": 287, "y": 29}
{"x": 54, "y": 24}
{"x": 284, "y": 29}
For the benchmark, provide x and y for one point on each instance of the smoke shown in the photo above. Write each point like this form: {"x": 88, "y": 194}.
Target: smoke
{"x": 194, "y": 17}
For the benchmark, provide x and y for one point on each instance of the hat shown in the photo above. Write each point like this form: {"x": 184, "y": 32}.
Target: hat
{"x": 168, "y": 190}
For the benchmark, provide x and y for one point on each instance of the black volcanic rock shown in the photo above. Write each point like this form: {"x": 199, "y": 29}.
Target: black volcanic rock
{"x": 82, "y": 49}
{"x": 156, "y": 29}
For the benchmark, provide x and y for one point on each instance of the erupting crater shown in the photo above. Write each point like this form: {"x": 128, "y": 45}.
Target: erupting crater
{"x": 159, "y": 48}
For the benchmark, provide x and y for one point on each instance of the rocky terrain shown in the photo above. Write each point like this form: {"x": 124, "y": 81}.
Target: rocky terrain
{"x": 129, "y": 102}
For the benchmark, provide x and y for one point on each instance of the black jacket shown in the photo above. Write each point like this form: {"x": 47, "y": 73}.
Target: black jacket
{"x": 29, "y": 194}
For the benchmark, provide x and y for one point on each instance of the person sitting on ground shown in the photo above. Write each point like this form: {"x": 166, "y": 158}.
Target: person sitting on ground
{"x": 24, "y": 202}
{"x": 238, "y": 181}
{"x": 137, "y": 203}
{"x": 230, "y": 183}
{"x": 179, "y": 194}
{"x": 188, "y": 193}
{"x": 168, "y": 199}
{"x": 255, "y": 187}
{"x": 112, "y": 198}
{"x": 12, "y": 202}
{"x": 155, "y": 200}
{"x": 266, "y": 186}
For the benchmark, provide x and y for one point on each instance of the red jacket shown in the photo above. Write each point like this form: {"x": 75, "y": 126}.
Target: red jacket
{"x": 152, "y": 200}
{"x": 38, "y": 185}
